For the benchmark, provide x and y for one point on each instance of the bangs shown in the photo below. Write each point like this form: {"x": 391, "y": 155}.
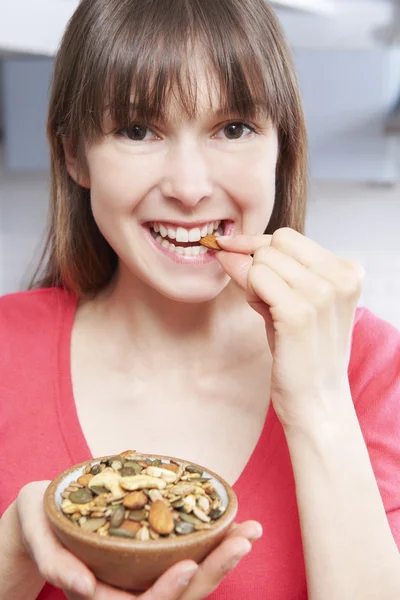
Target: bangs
{"x": 150, "y": 53}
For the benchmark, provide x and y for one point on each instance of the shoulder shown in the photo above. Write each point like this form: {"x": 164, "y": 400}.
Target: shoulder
{"x": 28, "y": 318}
{"x": 26, "y": 307}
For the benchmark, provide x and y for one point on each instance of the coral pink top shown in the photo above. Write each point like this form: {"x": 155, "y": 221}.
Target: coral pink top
{"x": 40, "y": 435}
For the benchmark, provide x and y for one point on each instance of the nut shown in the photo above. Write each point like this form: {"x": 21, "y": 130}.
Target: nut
{"x": 109, "y": 479}
{"x": 142, "y": 482}
{"x": 160, "y": 518}
{"x": 152, "y": 500}
{"x": 210, "y": 241}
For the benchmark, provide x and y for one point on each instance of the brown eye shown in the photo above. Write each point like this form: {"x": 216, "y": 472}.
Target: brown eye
{"x": 234, "y": 131}
{"x": 137, "y": 133}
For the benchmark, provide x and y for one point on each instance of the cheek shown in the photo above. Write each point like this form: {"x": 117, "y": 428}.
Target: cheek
{"x": 116, "y": 185}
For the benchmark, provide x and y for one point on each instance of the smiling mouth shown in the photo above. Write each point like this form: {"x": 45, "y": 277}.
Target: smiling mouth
{"x": 184, "y": 240}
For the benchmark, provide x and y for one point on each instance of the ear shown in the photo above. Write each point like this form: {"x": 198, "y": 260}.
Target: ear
{"x": 81, "y": 178}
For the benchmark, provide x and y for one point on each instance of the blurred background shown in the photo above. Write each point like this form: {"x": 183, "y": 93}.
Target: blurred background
{"x": 347, "y": 54}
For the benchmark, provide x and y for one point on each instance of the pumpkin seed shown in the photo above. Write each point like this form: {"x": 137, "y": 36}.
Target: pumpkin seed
{"x": 95, "y": 470}
{"x": 216, "y": 513}
{"x": 127, "y": 472}
{"x": 82, "y": 496}
{"x": 189, "y": 518}
{"x": 132, "y": 464}
{"x": 117, "y": 518}
{"x": 121, "y": 533}
{"x": 138, "y": 515}
{"x": 93, "y": 524}
{"x": 194, "y": 469}
{"x": 99, "y": 489}
{"x": 156, "y": 463}
{"x": 183, "y": 528}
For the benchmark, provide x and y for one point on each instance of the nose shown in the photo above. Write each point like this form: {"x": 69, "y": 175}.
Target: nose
{"x": 187, "y": 176}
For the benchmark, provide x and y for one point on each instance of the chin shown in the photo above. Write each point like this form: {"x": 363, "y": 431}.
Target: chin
{"x": 193, "y": 294}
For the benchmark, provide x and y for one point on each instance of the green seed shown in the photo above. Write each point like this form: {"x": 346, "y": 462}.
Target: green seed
{"x": 121, "y": 533}
{"x": 138, "y": 515}
{"x": 93, "y": 524}
{"x": 132, "y": 464}
{"x": 193, "y": 469}
{"x": 156, "y": 463}
{"x": 95, "y": 470}
{"x": 189, "y": 518}
{"x": 216, "y": 514}
{"x": 115, "y": 458}
{"x": 183, "y": 528}
{"x": 117, "y": 518}
{"x": 98, "y": 489}
{"x": 127, "y": 472}
{"x": 82, "y": 496}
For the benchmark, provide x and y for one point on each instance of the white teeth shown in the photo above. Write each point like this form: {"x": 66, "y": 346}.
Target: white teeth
{"x": 165, "y": 244}
{"x": 177, "y": 249}
{"x": 196, "y": 250}
{"x": 216, "y": 224}
{"x": 204, "y": 231}
{"x": 156, "y": 227}
{"x": 171, "y": 233}
{"x": 163, "y": 231}
{"x": 182, "y": 235}
{"x": 203, "y": 250}
{"x": 159, "y": 239}
{"x": 194, "y": 235}
{"x": 210, "y": 229}
{"x": 187, "y": 251}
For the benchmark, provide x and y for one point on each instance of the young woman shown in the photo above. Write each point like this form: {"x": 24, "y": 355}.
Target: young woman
{"x": 169, "y": 120}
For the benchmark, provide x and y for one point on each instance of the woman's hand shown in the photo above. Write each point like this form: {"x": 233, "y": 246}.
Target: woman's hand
{"x": 184, "y": 581}
{"x": 308, "y": 298}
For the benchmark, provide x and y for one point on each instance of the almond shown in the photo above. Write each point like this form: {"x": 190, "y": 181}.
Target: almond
{"x": 135, "y": 500}
{"x": 160, "y": 518}
{"x": 130, "y": 526}
{"x": 210, "y": 241}
{"x": 171, "y": 467}
{"x": 84, "y": 479}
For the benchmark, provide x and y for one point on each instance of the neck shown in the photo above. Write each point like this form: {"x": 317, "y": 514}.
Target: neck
{"x": 139, "y": 315}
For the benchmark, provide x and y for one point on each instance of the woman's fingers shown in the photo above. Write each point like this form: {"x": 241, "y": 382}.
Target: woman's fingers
{"x": 56, "y": 565}
{"x": 222, "y": 560}
{"x": 244, "y": 244}
{"x": 252, "y": 530}
{"x": 236, "y": 266}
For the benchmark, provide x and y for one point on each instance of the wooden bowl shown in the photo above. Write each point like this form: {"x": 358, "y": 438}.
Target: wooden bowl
{"x": 132, "y": 564}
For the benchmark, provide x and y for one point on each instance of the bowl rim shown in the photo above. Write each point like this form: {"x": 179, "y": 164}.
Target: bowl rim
{"x": 61, "y": 522}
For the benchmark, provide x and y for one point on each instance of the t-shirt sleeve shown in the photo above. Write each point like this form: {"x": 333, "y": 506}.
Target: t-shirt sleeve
{"x": 374, "y": 374}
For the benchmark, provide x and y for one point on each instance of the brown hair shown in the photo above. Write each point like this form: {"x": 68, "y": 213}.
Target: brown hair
{"x": 112, "y": 49}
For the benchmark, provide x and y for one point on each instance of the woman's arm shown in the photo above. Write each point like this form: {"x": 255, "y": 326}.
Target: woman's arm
{"x": 19, "y": 575}
{"x": 349, "y": 550}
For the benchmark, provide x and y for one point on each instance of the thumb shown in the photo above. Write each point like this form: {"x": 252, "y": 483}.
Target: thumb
{"x": 236, "y": 265}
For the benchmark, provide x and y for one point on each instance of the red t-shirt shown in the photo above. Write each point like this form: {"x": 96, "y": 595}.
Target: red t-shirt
{"x": 40, "y": 435}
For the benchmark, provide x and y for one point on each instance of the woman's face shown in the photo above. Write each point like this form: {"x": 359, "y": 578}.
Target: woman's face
{"x": 156, "y": 188}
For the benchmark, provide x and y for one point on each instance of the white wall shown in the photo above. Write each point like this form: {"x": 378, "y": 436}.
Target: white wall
{"x": 356, "y": 221}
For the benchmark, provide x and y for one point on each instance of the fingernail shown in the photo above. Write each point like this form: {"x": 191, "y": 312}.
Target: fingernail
{"x": 186, "y": 576}
{"x": 83, "y": 585}
{"x": 257, "y": 534}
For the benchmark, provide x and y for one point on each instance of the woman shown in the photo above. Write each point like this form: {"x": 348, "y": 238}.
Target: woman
{"x": 168, "y": 121}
